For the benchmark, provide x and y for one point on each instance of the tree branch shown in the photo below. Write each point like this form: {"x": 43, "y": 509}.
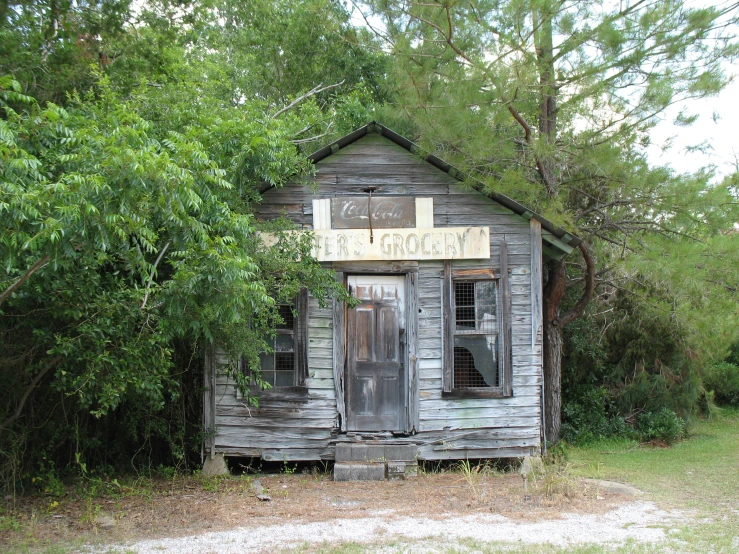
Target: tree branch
{"x": 31, "y": 270}
{"x": 316, "y": 137}
{"x": 546, "y": 176}
{"x": 312, "y": 92}
{"x": 151, "y": 275}
{"x": 49, "y": 365}
{"x": 587, "y": 294}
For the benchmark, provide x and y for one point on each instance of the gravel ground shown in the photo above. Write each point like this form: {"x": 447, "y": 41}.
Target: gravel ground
{"x": 639, "y": 521}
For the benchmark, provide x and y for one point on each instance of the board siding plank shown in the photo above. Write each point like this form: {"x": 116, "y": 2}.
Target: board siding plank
{"x": 427, "y": 453}
{"x": 339, "y": 345}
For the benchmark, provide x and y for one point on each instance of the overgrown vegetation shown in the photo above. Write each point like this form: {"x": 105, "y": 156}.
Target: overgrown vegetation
{"x": 135, "y": 140}
{"x": 633, "y": 370}
{"x": 128, "y": 244}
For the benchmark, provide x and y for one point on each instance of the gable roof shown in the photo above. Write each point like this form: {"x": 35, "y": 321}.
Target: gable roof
{"x": 560, "y": 241}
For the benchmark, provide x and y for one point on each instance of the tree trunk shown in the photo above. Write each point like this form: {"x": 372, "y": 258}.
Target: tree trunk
{"x": 552, "y": 379}
{"x": 555, "y": 288}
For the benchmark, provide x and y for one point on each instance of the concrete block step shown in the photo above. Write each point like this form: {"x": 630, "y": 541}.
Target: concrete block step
{"x": 363, "y": 452}
{"x": 359, "y": 471}
{"x": 399, "y": 471}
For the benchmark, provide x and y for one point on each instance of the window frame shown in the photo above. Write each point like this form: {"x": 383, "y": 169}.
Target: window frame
{"x": 503, "y": 314}
{"x": 300, "y": 348}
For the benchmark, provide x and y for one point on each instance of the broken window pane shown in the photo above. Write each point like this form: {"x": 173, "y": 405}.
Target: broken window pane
{"x": 475, "y": 361}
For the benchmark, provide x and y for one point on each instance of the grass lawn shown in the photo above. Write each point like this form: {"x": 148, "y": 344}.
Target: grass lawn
{"x": 699, "y": 475}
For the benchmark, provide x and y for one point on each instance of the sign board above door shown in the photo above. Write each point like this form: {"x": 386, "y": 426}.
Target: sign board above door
{"x": 445, "y": 243}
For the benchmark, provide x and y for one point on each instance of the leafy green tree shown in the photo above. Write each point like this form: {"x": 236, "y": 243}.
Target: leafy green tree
{"x": 119, "y": 244}
{"x": 279, "y": 49}
{"x": 128, "y": 244}
{"x": 50, "y": 46}
{"x": 552, "y": 102}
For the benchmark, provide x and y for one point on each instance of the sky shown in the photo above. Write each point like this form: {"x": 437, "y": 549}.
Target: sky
{"x": 722, "y": 135}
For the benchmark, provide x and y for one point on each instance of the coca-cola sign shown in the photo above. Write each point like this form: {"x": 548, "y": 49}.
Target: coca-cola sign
{"x": 388, "y": 212}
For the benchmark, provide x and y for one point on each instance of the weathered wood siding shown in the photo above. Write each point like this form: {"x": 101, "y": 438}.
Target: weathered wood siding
{"x": 304, "y": 426}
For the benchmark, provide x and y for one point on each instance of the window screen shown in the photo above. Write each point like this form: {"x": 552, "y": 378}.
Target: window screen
{"x": 476, "y": 333}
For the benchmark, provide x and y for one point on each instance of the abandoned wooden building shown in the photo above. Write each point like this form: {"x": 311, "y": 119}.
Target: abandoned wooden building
{"x": 442, "y": 356}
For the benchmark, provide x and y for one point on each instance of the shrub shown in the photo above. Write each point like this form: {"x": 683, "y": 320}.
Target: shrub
{"x": 664, "y": 425}
{"x": 723, "y": 379}
{"x": 588, "y": 419}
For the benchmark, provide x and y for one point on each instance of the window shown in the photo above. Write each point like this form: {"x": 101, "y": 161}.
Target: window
{"x": 477, "y": 358}
{"x": 279, "y": 366}
{"x": 287, "y": 364}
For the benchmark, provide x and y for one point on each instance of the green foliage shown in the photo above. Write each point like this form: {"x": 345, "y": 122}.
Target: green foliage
{"x": 52, "y": 47}
{"x": 628, "y": 370}
{"x": 589, "y": 418}
{"x": 664, "y": 425}
{"x": 128, "y": 244}
{"x": 126, "y": 250}
{"x": 722, "y": 379}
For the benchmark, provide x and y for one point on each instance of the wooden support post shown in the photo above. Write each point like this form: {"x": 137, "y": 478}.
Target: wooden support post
{"x": 448, "y": 326}
{"x": 505, "y": 328}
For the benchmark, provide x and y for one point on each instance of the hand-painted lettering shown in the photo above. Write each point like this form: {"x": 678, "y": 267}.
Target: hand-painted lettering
{"x": 412, "y": 243}
{"x": 386, "y": 245}
{"x": 425, "y": 250}
{"x": 436, "y": 244}
{"x": 450, "y": 242}
{"x": 462, "y": 238}
{"x": 358, "y": 244}
{"x": 341, "y": 241}
{"x": 398, "y": 244}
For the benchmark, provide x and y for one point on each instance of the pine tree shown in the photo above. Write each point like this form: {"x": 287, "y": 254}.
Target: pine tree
{"x": 552, "y": 102}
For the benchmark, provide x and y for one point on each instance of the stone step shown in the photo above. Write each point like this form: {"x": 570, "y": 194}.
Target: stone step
{"x": 363, "y": 452}
{"x": 375, "y": 462}
{"x": 358, "y": 471}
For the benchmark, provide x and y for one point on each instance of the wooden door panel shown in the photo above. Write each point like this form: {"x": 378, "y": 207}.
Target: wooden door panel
{"x": 364, "y": 399}
{"x": 388, "y": 333}
{"x": 363, "y": 339}
{"x": 389, "y": 390}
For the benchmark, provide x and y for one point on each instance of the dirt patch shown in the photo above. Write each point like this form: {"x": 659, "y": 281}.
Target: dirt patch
{"x": 196, "y": 505}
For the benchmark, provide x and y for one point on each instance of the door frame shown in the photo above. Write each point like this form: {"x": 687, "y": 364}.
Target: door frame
{"x": 399, "y": 425}
{"x": 410, "y": 359}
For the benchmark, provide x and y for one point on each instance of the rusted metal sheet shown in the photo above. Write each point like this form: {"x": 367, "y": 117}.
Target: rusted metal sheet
{"x": 388, "y": 212}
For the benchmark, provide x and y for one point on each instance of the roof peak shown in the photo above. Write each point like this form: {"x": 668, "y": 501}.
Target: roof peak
{"x": 562, "y": 240}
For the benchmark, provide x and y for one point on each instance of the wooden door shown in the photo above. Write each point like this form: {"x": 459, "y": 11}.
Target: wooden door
{"x": 375, "y": 380}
